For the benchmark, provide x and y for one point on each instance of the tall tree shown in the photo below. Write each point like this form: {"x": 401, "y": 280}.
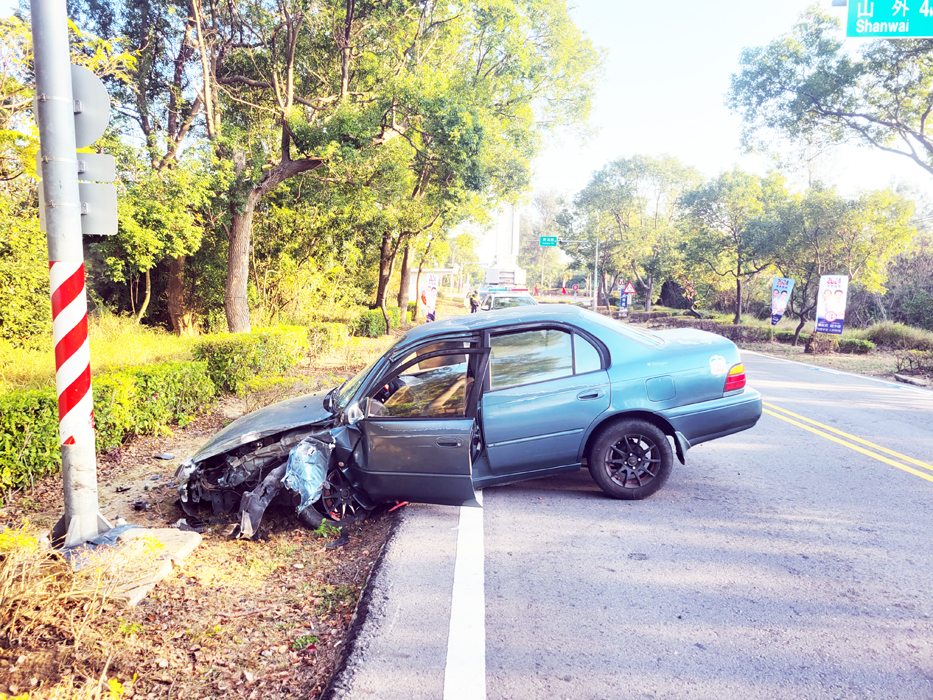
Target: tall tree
{"x": 728, "y": 227}
{"x": 640, "y": 200}
{"x": 805, "y": 86}
{"x": 821, "y": 233}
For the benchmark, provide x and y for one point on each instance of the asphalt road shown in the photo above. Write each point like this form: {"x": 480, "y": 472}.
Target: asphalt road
{"x": 789, "y": 561}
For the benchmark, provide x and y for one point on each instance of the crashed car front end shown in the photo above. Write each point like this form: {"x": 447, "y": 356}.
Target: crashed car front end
{"x": 295, "y": 452}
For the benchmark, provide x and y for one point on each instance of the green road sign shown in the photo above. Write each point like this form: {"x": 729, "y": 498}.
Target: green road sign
{"x": 891, "y": 19}
{"x": 549, "y": 241}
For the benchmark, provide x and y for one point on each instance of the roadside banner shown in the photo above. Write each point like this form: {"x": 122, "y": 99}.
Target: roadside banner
{"x": 781, "y": 287}
{"x": 831, "y": 303}
{"x": 429, "y": 295}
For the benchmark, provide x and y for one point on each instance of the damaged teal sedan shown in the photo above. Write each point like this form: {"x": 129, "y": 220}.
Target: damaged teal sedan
{"x": 475, "y": 401}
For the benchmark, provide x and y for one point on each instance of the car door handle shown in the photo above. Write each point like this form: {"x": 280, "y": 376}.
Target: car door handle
{"x": 448, "y": 442}
{"x": 591, "y": 394}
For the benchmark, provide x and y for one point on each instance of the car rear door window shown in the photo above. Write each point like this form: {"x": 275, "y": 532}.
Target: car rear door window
{"x": 529, "y": 356}
{"x": 586, "y": 355}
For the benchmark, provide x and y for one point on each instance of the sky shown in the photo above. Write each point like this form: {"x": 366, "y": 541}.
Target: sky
{"x": 663, "y": 92}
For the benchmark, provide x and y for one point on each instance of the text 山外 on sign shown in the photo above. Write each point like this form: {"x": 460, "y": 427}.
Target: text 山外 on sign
{"x": 891, "y": 19}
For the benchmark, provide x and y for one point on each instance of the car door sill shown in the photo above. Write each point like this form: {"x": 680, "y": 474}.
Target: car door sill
{"x": 503, "y": 479}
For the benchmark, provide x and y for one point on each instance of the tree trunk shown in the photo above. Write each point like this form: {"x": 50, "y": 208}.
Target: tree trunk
{"x": 385, "y": 315}
{"x": 236, "y": 305}
{"x": 649, "y": 293}
{"x": 182, "y": 318}
{"x": 738, "y": 302}
{"x": 145, "y": 304}
{"x": 387, "y": 253}
{"x": 803, "y": 321}
{"x": 404, "y": 285}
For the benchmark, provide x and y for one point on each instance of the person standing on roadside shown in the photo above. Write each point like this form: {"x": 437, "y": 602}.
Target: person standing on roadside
{"x": 474, "y": 302}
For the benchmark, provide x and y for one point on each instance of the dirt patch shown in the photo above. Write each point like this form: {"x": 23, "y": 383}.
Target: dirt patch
{"x": 254, "y": 619}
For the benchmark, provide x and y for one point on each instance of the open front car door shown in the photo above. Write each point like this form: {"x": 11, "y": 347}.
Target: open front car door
{"x": 419, "y": 433}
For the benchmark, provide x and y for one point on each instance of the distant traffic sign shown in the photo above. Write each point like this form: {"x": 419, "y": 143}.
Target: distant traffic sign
{"x": 629, "y": 288}
{"x": 548, "y": 241}
{"x": 891, "y": 19}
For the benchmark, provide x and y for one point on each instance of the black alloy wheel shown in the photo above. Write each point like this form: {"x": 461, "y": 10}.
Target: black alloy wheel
{"x": 631, "y": 459}
{"x": 337, "y": 506}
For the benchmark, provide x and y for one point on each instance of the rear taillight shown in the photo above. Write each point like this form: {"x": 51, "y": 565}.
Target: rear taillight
{"x": 736, "y": 378}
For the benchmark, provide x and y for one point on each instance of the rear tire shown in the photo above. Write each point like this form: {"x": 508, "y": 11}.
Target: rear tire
{"x": 630, "y": 459}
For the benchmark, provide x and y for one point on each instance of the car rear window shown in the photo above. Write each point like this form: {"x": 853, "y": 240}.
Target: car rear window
{"x": 637, "y": 334}
{"x": 511, "y": 302}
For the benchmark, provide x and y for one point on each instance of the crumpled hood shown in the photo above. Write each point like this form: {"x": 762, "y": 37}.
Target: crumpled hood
{"x": 284, "y": 415}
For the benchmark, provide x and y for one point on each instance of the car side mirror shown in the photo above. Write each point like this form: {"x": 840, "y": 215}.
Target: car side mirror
{"x": 355, "y": 413}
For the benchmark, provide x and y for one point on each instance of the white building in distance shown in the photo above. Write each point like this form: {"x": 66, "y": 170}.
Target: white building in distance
{"x": 505, "y": 271}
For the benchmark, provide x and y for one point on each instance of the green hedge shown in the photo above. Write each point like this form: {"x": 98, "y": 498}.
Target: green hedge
{"x": 371, "y": 324}
{"x": 28, "y": 437}
{"x": 144, "y": 400}
{"x": 139, "y": 401}
{"x": 235, "y": 358}
{"x": 788, "y": 337}
{"x": 324, "y": 337}
{"x": 854, "y": 346}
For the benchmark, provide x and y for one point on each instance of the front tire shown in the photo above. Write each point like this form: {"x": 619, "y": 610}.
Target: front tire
{"x": 631, "y": 459}
{"x": 337, "y": 506}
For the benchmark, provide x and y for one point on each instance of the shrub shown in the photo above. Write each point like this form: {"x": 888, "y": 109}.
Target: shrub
{"x": 788, "y": 336}
{"x": 915, "y": 361}
{"x": 28, "y": 437}
{"x": 234, "y": 358}
{"x": 371, "y": 324}
{"x": 325, "y": 337}
{"x": 138, "y": 401}
{"x": 855, "y": 346}
{"x": 145, "y": 400}
{"x": 898, "y": 336}
{"x": 821, "y": 343}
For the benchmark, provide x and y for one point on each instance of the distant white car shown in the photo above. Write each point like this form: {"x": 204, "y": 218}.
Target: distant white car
{"x": 506, "y": 300}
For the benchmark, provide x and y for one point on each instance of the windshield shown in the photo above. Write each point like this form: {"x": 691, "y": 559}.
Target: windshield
{"x": 510, "y": 302}
{"x": 347, "y": 390}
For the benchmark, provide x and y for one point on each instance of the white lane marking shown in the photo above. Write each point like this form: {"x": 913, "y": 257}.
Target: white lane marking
{"x": 465, "y": 675}
{"x": 888, "y": 384}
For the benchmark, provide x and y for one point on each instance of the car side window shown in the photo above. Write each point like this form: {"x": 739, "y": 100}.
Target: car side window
{"x": 586, "y": 355}
{"x": 487, "y": 303}
{"x": 529, "y": 356}
{"x": 436, "y": 387}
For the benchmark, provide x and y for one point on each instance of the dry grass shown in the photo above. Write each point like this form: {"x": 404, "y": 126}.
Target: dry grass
{"x": 51, "y": 606}
{"x": 116, "y": 342}
{"x": 875, "y": 364}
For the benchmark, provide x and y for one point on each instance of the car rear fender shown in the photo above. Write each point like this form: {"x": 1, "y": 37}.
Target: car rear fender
{"x": 681, "y": 444}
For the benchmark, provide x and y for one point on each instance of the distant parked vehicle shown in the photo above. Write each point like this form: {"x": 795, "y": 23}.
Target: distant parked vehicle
{"x": 506, "y": 300}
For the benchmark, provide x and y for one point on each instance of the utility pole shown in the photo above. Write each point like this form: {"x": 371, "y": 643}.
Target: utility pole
{"x": 595, "y": 266}
{"x": 62, "y": 209}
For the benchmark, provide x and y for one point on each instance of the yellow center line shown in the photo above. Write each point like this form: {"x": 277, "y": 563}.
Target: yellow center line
{"x": 880, "y": 458}
{"x": 910, "y": 460}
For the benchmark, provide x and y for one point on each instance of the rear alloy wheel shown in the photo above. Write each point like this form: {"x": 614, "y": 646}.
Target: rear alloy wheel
{"x": 631, "y": 459}
{"x": 337, "y": 506}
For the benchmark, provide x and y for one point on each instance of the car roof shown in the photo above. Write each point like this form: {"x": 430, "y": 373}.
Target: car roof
{"x": 492, "y": 319}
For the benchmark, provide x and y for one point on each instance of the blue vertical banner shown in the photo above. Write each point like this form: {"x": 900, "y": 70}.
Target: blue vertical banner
{"x": 781, "y": 288}
{"x": 831, "y": 304}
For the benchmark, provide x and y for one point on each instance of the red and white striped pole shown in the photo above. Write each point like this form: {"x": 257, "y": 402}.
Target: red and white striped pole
{"x": 55, "y": 113}
{"x": 72, "y": 352}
